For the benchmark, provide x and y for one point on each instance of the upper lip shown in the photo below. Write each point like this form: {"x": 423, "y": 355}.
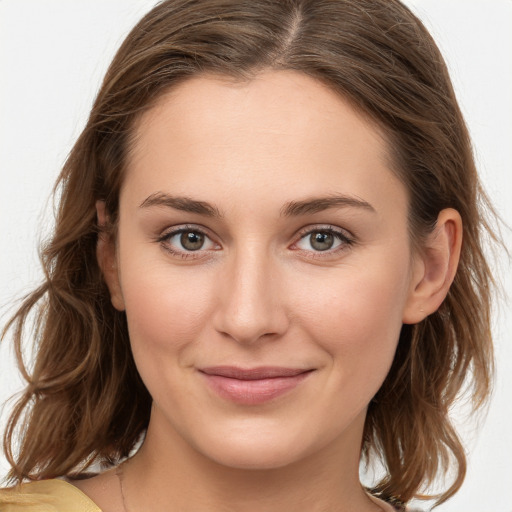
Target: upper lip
{"x": 261, "y": 372}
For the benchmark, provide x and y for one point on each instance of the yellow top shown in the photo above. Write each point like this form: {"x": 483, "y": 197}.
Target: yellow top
{"x": 52, "y": 496}
{"x": 46, "y": 496}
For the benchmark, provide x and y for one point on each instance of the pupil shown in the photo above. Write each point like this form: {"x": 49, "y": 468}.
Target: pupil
{"x": 192, "y": 241}
{"x": 322, "y": 241}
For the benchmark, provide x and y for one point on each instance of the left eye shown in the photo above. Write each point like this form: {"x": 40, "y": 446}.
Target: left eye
{"x": 321, "y": 240}
{"x": 189, "y": 240}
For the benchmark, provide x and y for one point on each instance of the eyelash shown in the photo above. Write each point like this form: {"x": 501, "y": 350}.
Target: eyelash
{"x": 345, "y": 241}
{"x": 165, "y": 238}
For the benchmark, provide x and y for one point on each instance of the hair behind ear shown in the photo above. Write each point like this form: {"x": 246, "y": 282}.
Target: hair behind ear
{"x": 72, "y": 412}
{"x": 441, "y": 350}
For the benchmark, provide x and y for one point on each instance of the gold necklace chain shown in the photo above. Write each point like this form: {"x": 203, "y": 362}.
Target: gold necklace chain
{"x": 120, "y": 477}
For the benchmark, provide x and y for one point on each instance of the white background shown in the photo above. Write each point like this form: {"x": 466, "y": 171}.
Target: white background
{"x": 53, "y": 54}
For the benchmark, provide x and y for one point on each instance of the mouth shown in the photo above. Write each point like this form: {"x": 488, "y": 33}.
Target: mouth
{"x": 252, "y": 386}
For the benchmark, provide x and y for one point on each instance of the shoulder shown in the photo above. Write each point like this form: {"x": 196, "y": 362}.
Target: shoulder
{"x": 45, "y": 496}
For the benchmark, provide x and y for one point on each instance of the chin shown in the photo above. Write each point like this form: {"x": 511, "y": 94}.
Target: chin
{"x": 254, "y": 447}
{"x": 256, "y": 457}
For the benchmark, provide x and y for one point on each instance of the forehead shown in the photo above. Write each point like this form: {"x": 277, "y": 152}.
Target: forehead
{"x": 281, "y": 131}
{"x": 284, "y": 102}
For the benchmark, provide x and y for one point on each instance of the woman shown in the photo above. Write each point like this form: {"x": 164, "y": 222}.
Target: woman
{"x": 259, "y": 269}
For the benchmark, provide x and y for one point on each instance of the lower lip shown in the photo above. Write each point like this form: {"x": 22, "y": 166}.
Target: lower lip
{"x": 253, "y": 392}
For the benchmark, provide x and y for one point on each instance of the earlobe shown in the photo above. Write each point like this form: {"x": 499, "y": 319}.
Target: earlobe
{"x": 107, "y": 261}
{"x": 435, "y": 267}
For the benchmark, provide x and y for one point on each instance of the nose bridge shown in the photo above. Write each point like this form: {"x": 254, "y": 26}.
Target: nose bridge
{"x": 250, "y": 304}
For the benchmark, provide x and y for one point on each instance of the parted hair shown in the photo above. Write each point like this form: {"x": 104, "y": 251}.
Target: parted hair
{"x": 84, "y": 401}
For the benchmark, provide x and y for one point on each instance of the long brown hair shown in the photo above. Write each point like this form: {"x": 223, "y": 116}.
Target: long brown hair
{"x": 376, "y": 54}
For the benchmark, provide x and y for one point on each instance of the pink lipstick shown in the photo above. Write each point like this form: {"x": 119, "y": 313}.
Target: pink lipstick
{"x": 252, "y": 386}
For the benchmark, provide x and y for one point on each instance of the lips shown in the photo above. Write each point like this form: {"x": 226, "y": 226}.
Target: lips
{"x": 252, "y": 386}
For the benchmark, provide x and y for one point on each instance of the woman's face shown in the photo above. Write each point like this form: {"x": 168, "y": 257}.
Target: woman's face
{"x": 265, "y": 267}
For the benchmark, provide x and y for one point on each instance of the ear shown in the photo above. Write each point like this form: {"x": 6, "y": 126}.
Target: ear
{"x": 435, "y": 265}
{"x": 107, "y": 259}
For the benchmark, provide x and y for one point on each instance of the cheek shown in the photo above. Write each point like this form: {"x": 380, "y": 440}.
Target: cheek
{"x": 166, "y": 310}
{"x": 356, "y": 317}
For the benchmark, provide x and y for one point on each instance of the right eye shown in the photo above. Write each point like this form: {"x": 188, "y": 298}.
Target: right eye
{"x": 184, "y": 241}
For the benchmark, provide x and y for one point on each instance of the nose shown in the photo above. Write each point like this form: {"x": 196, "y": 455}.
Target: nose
{"x": 250, "y": 304}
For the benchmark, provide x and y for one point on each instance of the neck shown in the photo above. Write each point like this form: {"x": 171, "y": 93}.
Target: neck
{"x": 168, "y": 474}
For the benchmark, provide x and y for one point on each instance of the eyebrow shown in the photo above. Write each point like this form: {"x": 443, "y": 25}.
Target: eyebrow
{"x": 290, "y": 209}
{"x": 182, "y": 203}
{"x": 319, "y": 204}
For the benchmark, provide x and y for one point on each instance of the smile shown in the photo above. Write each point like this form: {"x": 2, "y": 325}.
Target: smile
{"x": 255, "y": 385}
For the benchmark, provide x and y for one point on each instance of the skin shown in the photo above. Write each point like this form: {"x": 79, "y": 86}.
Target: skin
{"x": 258, "y": 293}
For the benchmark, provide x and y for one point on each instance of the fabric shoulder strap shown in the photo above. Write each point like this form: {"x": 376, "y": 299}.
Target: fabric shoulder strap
{"x": 45, "y": 496}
